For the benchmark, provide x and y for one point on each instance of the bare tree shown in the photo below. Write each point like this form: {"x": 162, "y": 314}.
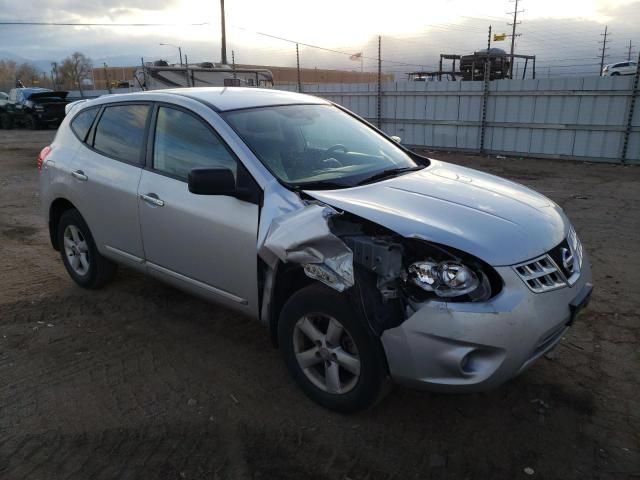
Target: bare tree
{"x": 11, "y": 73}
{"x": 28, "y": 75}
{"x": 7, "y": 75}
{"x": 74, "y": 69}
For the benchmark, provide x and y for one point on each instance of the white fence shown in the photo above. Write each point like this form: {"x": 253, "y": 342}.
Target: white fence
{"x": 588, "y": 118}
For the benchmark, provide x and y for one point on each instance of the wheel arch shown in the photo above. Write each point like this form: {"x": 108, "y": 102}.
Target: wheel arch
{"x": 57, "y": 208}
{"x": 289, "y": 279}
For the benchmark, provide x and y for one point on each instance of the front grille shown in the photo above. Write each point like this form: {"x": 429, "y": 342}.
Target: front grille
{"x": 556, "y": 269}
{"x": 541, "y": 274}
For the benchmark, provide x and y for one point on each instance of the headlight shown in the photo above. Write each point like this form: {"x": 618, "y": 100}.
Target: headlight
{"x": 445, "y": 279}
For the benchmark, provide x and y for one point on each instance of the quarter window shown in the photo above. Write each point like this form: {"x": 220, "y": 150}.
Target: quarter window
{"x": 183, "y": 142}
{"x": 82, "y": 122}
{"x": 120, "y": 132}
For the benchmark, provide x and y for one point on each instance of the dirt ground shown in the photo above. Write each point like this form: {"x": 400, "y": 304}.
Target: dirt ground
{"x": 139, "y": 380}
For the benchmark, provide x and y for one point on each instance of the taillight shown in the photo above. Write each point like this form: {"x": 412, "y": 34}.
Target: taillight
{"x": 43, "y": 155}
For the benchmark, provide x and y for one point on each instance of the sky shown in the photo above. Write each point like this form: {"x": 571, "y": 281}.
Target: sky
{"x": 563, "y": 34}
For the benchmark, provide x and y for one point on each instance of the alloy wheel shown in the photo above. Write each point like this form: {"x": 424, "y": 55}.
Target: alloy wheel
{"x": 326, "y": 353}
{"x": 76, "y": 250}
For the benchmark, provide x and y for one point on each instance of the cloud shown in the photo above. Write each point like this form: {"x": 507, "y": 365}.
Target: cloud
{"x": 563, "y": 46}
{"x": 62, "y": 10}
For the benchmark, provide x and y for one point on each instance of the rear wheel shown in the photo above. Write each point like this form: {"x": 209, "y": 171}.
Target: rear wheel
{"x": 329, "y": 351}
{"x": 80, "y": 256}
{"x": 5, "y": 121}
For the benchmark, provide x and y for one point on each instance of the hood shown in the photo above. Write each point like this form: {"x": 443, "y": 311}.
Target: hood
{"x": 49, "y": 94}
{"x": 496, "y": 220}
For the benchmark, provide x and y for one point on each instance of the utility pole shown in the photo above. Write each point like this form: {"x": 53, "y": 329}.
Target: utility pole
{"x": 514, "y": 35}
{"x": 223, "y": 47}
{"x": 629, "y": 54}
{"x": 233, "y": 67}
{"x": 54, "y": 74}
{"x": 604, "y": 47}
{"x": 106, "y": 76}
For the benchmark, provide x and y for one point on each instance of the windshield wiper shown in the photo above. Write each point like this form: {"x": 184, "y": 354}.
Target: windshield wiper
{"x": 388, "y": 173}
{"x": 319, "y": 185}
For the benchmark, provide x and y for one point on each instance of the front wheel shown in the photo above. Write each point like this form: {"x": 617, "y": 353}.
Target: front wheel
{"x": 80, "y": 256}
{"x": 329, "y": 350}
{"x": 32, "y": 122}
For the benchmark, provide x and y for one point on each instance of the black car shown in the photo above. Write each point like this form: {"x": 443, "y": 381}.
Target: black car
{"x": 33, "y": 108}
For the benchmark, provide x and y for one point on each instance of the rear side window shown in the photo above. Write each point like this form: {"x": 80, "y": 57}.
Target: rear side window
{"x": 183, "y": 142}
{"x": 82, "y": 123}
{"x": 120, "y": 132}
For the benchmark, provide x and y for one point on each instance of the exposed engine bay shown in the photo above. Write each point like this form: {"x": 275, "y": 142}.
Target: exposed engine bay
{"x": 385, "y": 274}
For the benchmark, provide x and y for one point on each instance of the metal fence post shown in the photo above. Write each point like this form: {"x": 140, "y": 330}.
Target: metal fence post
{"x": 632, "y": 107}
{"x": 186, "y": 65}
{"x": 298, "y": 67}
{"x": 485, "y": 93}
{"x": 379, "y": 115}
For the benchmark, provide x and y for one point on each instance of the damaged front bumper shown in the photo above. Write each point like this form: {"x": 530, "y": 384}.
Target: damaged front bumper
{"x": 465, "y": 347}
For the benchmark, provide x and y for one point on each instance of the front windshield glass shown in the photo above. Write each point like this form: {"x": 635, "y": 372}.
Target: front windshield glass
{"x": 318, "y": 146}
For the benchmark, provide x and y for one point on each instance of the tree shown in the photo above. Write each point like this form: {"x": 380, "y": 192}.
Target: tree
{"x": 74, "y": 69}
{"x": 11, "y": 73}
{"x": 28, "y": 75}
{"x": 7, "y": 75}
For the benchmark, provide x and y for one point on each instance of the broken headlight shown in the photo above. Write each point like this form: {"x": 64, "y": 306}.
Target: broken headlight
{"x": 448, "y": 279}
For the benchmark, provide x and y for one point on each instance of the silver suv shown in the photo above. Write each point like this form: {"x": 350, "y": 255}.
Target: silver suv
{"x": 364, "y": 260}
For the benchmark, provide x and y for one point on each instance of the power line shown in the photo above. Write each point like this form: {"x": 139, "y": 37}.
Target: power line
{"x": 324, "y": 48}
{"x": 74, "y": 24}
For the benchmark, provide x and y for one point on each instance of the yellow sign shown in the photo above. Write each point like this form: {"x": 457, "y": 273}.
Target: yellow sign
{"x": 499, "y": 37}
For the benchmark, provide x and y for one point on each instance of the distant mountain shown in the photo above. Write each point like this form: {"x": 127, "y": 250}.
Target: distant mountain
{"x": 111, "y": 61}
{"x": 119, "y": 60}
{"x": 41, "y": 65}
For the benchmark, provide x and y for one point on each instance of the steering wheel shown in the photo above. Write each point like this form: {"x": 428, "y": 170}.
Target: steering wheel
{"x": 333, "y": 162}
{"x": 337, "y": 147}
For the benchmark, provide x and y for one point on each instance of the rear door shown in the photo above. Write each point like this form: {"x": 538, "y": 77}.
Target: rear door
{"x": 106, "y": 173}
{"x": 204, "y": 243}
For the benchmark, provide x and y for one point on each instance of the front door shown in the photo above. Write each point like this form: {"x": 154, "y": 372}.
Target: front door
{"x": 205, "y": 243}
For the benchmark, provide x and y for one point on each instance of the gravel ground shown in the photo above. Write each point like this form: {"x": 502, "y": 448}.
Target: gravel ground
{"x": 139, "y": 380}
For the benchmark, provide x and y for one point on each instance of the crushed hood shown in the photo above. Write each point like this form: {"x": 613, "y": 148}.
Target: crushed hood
{"x": 498, "y": 221}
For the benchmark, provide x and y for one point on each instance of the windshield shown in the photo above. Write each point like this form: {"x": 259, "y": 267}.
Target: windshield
{"x": 318, "y": 146}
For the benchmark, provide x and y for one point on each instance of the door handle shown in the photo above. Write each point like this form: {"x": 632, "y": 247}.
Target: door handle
{"x": 153, "y": 199}
{"x": 79, "y": 174}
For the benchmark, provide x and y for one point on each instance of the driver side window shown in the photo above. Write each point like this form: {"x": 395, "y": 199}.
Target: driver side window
{"x": 183, "y": 142}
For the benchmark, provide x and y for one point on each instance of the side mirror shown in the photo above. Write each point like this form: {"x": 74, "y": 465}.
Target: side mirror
{"x": 212, "y": 181}
{"x": 396, "y": 139}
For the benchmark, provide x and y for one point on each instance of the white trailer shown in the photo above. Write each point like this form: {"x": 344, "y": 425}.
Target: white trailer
{"x": 156, "y": 77}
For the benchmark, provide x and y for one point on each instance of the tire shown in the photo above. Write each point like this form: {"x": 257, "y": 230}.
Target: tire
{"x": 6, "y": 121}
{"x": 319, "y": 306}
{"x": 94, "y": 271}
{"x": 32, "y": 123}
{"x": 615, "y": 74}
